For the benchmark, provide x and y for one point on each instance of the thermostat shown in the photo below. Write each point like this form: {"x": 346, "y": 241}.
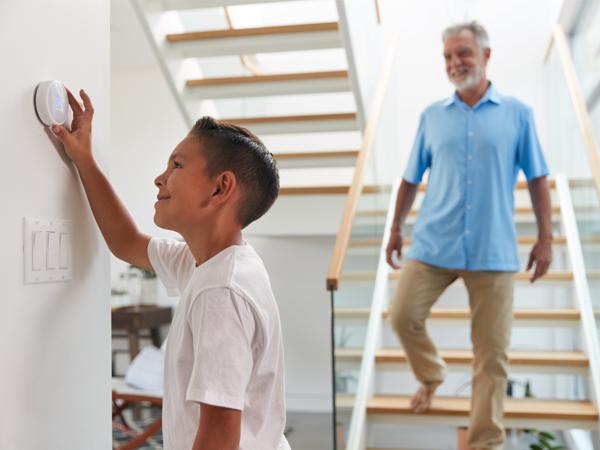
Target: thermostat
{"x": 51, "y": 103}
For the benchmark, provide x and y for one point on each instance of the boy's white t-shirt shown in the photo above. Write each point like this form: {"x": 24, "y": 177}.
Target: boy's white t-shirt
{"x": 224, "y": 346}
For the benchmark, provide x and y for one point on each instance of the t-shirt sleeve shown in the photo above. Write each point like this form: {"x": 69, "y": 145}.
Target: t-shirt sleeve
{"x": 530, "y": 157}
{"x": 170, "y": 260}
{"x": 420, "y": 156}
{"x": 222, "y": 327}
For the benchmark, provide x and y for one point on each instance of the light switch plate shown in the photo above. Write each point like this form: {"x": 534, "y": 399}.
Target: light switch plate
{"x": 47, "y": 247}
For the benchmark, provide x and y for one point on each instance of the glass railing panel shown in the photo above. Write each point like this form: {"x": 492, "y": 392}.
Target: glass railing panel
{"x": 565, "y": 149}
{"x": 567, "y": 153}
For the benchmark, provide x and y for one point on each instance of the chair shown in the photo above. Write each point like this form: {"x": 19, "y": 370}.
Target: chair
{"x": 142, "y": 383}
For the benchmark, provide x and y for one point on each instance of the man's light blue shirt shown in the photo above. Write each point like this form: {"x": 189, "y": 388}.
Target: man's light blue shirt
{"x": 474, "y": 156}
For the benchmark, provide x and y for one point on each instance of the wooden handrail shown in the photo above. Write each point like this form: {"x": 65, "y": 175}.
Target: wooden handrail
{"x": 583, "y": 117}
{"x": 244, "y": 60}
{"x": 356, "y": 188}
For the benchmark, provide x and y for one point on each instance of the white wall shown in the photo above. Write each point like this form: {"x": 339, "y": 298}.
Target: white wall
{"x": 54, "y": 338}
{"x": 297, "y": 267}
{"x": 145, "y": 128}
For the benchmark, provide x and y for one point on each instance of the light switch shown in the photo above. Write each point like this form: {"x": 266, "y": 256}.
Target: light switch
{"x": 47, "y": 249}
{"x": 52, "y": 250}
{"x": 64, "y": 251}
{"x": 37, "y": 250}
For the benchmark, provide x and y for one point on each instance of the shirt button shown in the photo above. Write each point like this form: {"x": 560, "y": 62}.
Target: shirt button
{"x": 469, "y": 181}
{"x": 470, "y": 133}
{"x": 468, "y": 206}
{"x": 467, "y": 231}
{"x": 470, "y": 157}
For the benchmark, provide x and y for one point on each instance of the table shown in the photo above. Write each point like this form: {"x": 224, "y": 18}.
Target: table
{"x": 132, "y": 319}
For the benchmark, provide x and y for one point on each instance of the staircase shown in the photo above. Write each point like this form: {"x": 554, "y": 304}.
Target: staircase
{"x": 243, "y": 75}
{"x": 549, "y": 346}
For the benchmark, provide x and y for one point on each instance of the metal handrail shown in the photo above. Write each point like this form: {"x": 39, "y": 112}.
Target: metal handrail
{"x": 356, "y": 432}
{"x": 356, "y": 188}
{"x": 582, "y": 290}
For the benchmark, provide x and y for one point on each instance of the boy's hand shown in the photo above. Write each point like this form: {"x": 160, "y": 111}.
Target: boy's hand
{"x": 78, "y": 141}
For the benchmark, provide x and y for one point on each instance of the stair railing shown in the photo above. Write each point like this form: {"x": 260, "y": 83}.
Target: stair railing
{"x": 366, "y": 380}
{"x": 582, "y": 290}
{"x": 356, "y": 188}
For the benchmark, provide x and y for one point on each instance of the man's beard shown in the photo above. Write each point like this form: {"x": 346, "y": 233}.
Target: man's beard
{"x": 473, "y": 78}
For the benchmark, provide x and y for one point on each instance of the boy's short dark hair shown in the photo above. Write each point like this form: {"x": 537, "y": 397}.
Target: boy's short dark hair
{"x": 228, "y": 147}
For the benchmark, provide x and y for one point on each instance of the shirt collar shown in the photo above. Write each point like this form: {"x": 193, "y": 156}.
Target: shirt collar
{"x": 491, "y": 95}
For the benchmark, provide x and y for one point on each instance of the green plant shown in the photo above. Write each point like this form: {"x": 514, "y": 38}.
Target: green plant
{"x": 545, "y": 441}
{"x": 341, "y": 382}
{"x": 114, "y": 291}
{"x": 343, "y": 337}
{"x": 145, "y": 274}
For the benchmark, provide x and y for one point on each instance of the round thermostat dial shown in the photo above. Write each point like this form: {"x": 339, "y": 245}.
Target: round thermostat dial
{"x": 51, "y": 103}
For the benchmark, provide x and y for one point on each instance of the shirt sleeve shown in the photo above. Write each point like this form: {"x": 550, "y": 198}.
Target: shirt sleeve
{"x": 420, "y": 156}
{"x": 530, "y": 157}
{"x": 222, "y": 327}
{"x": 170, "y": 260}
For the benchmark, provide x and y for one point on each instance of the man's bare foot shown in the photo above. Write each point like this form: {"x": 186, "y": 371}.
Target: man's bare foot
{"x": 421, "y": 401}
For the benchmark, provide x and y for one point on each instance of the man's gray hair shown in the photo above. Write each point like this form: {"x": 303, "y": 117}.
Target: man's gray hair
{"x": 481, "y": 36}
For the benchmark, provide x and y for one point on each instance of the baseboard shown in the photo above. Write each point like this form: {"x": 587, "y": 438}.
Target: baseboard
{"x": 308, "y": 403}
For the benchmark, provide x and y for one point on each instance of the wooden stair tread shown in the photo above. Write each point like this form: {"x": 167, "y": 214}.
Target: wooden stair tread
{"x": 291, "y": 118}
{"x": 522, "y": 240}
{"x": 415, "y": 211}
{"x": 557, "y": 275}
{"x": 326, "y": 190}
{"x": 533, "y": 358}
{"x": 465, "y": 314}
{"x": 267, "y": 78}
{"x": 513, "y": 408}
{"x": 247, "y": 32}
{"x": 318, "y": 154}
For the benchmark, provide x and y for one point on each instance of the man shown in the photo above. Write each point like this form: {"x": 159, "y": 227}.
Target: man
{"x": 473, "y": 144}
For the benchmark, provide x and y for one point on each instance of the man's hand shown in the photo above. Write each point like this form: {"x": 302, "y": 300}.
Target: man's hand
{"x": 394, "y": 245}
{"x": 541, "y": 256}
{"x": 78, "y": 141}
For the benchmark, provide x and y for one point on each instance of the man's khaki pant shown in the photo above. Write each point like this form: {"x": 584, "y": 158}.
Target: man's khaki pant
{"x": 491, "y": 301}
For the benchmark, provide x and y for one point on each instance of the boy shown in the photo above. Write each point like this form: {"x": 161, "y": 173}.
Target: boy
{"x": 224, "y": 357}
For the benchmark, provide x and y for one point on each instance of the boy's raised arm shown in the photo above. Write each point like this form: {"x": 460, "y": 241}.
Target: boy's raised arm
{"x": 118, "y": 228}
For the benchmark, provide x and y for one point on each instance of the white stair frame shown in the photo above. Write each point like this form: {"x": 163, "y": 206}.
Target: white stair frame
{"x": 149, "y": 15}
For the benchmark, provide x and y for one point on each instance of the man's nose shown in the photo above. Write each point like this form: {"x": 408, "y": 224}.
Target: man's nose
{"x": 455, "y": 61}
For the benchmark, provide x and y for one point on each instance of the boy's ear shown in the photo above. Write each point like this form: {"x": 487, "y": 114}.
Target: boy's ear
{"x": 225, "y": 185}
